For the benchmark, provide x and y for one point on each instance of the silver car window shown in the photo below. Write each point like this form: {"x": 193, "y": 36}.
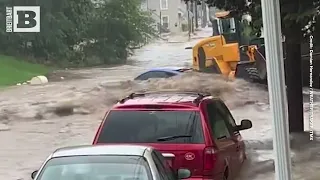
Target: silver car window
{"x": 96, "y": 168}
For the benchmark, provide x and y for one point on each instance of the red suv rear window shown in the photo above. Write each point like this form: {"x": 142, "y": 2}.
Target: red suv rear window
{"x": 149, "y": 126}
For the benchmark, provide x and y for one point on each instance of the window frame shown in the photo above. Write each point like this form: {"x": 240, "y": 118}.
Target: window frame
{"x": 150, "y": 72}
{"x": 211, "y": 121}
{"x": 159, "y": 166}
{"x": 164, "y": 8}
{"x": 162, "y": 21}
{"x": 170, "y": 74}
{"x": 229, "y": 119}
{"x": 165, "y": 165}
{"x": 87, "y": 160}
{"x": 197, "y": 130}
{"x": 142, "y": 75}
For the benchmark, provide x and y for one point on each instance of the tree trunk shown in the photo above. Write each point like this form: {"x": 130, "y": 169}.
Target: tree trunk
{"x": 293, "y": 66}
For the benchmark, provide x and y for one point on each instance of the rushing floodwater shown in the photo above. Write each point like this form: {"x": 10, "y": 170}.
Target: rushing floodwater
{"x": 35, "y": 120}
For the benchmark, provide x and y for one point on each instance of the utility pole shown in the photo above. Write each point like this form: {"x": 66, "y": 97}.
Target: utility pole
{"x": 192, "y": 19}
{"x": 160, "y": 23}
{"x": 204, "y": 14}
{"x": 277, "y": 89}
{"x": 189, "y": 26}
{"x": 160, "y": 19}
{"x": 196, "y": 13}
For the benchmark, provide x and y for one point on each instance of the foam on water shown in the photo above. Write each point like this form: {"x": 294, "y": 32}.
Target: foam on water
{"x": 36, "y": 126}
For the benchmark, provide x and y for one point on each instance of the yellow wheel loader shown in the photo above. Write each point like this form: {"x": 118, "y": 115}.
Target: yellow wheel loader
{"x": 226, "y": 52}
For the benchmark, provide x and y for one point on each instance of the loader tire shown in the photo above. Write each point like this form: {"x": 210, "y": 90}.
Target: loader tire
{"x": 202, "y": 59}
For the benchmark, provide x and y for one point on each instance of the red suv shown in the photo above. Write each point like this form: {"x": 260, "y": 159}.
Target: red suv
{"x": 192, "y": 130}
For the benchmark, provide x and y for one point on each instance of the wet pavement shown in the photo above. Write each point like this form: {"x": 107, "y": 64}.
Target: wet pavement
{"x": 35, "y": 120}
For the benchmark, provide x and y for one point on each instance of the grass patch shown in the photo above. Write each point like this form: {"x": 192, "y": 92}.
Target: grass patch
{"x": 14, "y": 70}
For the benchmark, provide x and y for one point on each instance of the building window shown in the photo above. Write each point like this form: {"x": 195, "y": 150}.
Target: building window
{"x": 165, "y": 22}
{"x": 163, "y": 4}
{"x": 144, "y": 5}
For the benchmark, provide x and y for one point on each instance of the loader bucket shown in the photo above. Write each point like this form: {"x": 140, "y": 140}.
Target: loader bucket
{"x": 242, "y": 70}
{"x": 260, "y": 64}
{"x": 254, "y": 71}
{"x": 244, "y": 66}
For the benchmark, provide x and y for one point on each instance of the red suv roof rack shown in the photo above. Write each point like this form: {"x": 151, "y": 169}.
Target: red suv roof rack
{"x": 140, "y": 94}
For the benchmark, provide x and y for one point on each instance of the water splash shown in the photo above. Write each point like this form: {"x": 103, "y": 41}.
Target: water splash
{"x": 42, "y": 118}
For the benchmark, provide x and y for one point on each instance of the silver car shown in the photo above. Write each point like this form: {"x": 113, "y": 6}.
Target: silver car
{"x": 107, "y": 162}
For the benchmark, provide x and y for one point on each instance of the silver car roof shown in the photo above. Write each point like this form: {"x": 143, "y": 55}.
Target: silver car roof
{"x": 85, "y": 150}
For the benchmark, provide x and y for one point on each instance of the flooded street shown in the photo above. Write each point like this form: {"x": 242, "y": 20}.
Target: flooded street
{"x": 35, "y": 120}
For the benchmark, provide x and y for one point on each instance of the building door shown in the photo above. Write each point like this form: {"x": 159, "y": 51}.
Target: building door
{"x": 165, "y": 22}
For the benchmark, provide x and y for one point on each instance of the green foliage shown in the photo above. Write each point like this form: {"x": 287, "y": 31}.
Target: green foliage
{"x": 13, "y": 70}
{"x": 118, "y": 25}
{"x": 292, "y": 11}
{"x": 80, "y": 32}
{"x": 237, "y": 5}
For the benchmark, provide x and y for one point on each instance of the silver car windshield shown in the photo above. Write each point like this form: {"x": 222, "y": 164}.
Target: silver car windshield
{"x": 96, "y": 168}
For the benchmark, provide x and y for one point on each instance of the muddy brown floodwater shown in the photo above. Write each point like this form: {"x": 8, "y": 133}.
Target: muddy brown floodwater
{"x": 35, "y": 120}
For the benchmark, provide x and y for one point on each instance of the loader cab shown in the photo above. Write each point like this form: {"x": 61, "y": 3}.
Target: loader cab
{"x": 229, "y": 27}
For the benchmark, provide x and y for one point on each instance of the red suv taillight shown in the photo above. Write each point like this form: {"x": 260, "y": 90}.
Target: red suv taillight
{"x": 209, "y": 160}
